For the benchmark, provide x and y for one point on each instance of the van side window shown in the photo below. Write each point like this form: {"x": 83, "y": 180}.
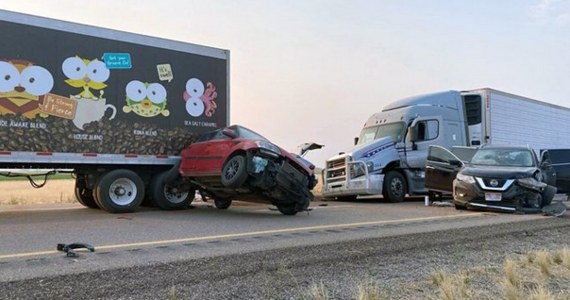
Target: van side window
{"x": 428, "y": 130}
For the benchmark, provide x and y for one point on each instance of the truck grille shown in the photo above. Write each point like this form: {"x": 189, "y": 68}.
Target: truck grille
{"x": 336, "y": 170}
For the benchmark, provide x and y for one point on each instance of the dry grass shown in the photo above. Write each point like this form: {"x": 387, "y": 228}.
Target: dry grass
{"x": 511, "y": 276}
{"x": 562, "y": 258}
{"x": 543, "y": 261}
{"x": 451, "y": 287}
{"x": 369, "y": 290}
{"x": 511, "y": 282}
{"x": 541, "y": 293}
{"x": 540, "y": 275}
{"x": 20, "y": 192}
{"x": 318, "y": 291}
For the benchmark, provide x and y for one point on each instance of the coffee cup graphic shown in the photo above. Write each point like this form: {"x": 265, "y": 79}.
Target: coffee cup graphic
{"x": 89, "y": 110}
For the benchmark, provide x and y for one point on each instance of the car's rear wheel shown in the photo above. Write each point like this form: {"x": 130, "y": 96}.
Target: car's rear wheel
{"x": 234, "y": 172}
{"x": 289, "y": 209}
{"x": 222, "y": 203}
{"x": 83, "y": 194}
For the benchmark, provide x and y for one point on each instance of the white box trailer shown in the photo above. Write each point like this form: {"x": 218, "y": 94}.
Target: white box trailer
{"x": 115, "y": 107}
{"x": 513, "y": 119}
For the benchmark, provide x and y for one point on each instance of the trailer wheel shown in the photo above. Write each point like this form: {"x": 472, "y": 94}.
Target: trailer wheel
{"x": 394, "y": 187}
{"x": 234, "y": 172}
{"x": 169, "y": 196}
{"x": 83, "y": 194}
{"x": 119, "y": 191}
{"x": 222, "y": 203}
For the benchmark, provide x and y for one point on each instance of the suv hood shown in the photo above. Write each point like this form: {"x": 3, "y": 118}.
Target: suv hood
{"x": 499, "y": 172}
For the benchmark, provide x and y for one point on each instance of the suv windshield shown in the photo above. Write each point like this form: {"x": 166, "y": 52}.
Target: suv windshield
{"x": 503, "y": 157}
{"x": 393, "y": 130}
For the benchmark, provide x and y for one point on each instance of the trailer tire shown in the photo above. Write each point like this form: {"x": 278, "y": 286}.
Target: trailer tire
{"x": 222, "y": 203}
{"x": 234, "y": 172}
{"x": 168, "y": 196}
{"x": 84, "y": 195}
{"x": 394, "y": 188}
{"x": 119, "y": 191}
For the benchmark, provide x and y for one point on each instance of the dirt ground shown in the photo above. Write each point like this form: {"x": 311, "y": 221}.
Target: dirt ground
{"x": 21, "y": 192}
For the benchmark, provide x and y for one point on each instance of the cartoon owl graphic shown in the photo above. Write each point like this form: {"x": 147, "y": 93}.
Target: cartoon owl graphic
{"x": 22, "y": 84}
{"x": 146, "y": 100}
{"x": 86, "y": 74}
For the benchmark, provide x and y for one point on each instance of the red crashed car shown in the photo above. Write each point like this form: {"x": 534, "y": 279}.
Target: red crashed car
{"x": 238, "y": 163}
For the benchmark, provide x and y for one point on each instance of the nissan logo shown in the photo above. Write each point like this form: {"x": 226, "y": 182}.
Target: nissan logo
{"x": 494, "y": 182}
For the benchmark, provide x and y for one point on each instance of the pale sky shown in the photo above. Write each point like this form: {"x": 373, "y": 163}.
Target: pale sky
{"x": 315, "y": 70}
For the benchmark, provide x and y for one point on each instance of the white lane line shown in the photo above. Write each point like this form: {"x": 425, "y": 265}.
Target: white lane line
{"x": 245, "y": 234}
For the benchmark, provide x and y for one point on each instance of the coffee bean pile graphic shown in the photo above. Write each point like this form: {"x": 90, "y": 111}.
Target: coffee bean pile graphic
{"x": 18, "y": 133}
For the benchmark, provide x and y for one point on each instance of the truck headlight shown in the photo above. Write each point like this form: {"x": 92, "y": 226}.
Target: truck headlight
{"x": 370, "y": 166}
{"x": 465, "y": 178}
{"x": 357, "y": 170}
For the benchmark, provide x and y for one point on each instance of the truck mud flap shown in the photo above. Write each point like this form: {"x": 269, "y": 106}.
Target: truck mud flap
{"x": 173, "y": 173}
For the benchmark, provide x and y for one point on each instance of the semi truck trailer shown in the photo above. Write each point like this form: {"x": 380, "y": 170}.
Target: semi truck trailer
{"x": 115, "y": 108}
{"x": 389, "y": 156}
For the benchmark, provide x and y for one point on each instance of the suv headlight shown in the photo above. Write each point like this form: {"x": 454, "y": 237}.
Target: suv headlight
{"x": 268, "y": 149}
{"x": 465, "y": 178}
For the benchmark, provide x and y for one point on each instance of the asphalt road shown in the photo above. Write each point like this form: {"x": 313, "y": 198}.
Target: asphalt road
{"x": 28, "y": 237}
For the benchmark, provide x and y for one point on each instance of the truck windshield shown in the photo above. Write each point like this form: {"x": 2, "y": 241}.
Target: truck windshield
{"x": 393, "y": 130}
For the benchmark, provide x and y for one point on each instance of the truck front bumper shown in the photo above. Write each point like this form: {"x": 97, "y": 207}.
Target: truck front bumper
{"x": 363, "y": 185}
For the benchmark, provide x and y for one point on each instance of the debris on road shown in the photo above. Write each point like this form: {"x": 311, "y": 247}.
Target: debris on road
{"x": 68, "y": 249}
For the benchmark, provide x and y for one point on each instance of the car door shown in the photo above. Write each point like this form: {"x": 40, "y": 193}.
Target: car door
{"x": 547, "y": 168}
{"x": 561, "y": 163}
{"x": 206, "y": 158}
{"x": 441, "y": 168}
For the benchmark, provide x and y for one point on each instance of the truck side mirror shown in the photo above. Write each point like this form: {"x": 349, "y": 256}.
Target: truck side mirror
{"x": 229, "y": 133}
{"x": 356, "y": 139}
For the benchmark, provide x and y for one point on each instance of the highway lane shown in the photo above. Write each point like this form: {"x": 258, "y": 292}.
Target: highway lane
{"x": 28, "y": 237}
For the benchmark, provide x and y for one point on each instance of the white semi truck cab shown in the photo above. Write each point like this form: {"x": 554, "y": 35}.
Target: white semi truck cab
{"x": 390, "y": 153}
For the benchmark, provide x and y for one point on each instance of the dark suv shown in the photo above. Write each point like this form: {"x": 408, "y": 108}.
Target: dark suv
{"x": 507, "y": 178}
